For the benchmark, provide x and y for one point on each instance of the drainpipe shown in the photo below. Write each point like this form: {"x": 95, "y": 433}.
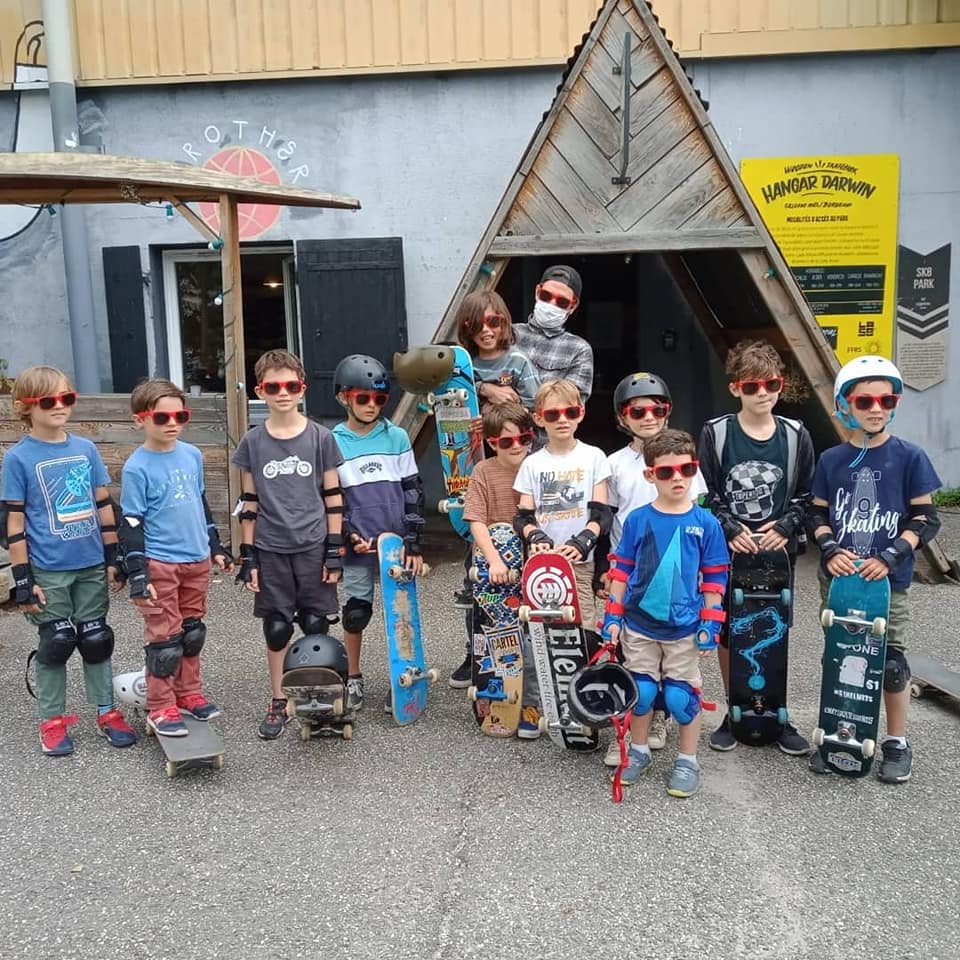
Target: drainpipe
{"x": 58, "y": 27}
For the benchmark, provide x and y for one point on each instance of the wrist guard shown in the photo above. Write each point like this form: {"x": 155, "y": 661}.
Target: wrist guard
{"x": 829, "y": 547}
{"x": 538, "y": 536}
{"x": 612, "y": 617}
{"x": 709, "y": 630}
{"x": 249, "y": 561}
{"x": 896, "y": 553}
{"x": 334, "y": 551}
{"x": 138, "y": 576}
{"x": 584, "y": 541}
{"x": 23, "y": 584}
{"x": 111, "y": 554}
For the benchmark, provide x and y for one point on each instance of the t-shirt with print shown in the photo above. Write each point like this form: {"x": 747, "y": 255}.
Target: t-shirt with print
{"x": 628, "y": 488}
{"x": 511, "y": 369}
{"x": 288, "y": 477}
{"x": 165, "y": 489}
{"x": 561, "y": 486}
{"x": 754, "y": 475}
{"x": 57, "y": 484}
{"x": 664, "y": 554}
{"x": 869, "y": 503}
{"x": 490, "y": 495}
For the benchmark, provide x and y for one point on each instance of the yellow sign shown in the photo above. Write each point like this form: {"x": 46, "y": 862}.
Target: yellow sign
{"x": 835, "y": 220}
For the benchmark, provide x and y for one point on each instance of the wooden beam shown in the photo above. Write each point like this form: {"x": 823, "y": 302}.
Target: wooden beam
{"x": 712, "y": 328}
{"x": 719, "y": 238}
{"x": 192, "y": 218}
{"x": 233, "y": 345}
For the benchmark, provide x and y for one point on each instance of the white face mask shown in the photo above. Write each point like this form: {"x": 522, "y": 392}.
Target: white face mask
{"x": 548, "y": 316}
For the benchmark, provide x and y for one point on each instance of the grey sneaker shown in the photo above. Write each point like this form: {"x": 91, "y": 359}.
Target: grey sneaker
{"x": 657, "y": 739}
{"x": 722, "y": 738}
{"x": 638, "y": 764}
{"x": 792, "y": 743}
{"x": 896, "y": 764}
{"x": 685, "y": 781}
{"x": 612, "y": 757}
{"x": 355, "y": 693}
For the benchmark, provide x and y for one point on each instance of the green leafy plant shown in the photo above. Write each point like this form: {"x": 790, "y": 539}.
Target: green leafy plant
{"x": 948, "y": 497}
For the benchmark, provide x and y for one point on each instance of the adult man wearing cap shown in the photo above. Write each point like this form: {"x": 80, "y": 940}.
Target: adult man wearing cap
{"x": 555, "y": 353}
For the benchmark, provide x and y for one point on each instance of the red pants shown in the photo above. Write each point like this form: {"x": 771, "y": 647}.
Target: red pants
{"x": 181, "y": 593}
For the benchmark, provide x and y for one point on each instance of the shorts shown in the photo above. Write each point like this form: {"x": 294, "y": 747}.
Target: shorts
{"x": 583, "y": 575}
{"x": 723, "y": 637}
{"x": 291, "y": 582}
{"x": 359, "y": 581}
{"x": 77, "y": 595}
{"x": 896, "y": 622}
{"x": 676, "y": 659}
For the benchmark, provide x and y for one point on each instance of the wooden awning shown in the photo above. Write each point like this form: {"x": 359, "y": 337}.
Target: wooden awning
{"x": 38, "y": 178}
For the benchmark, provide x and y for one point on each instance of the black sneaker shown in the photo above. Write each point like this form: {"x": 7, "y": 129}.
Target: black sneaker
{"x": 274, "y": 722}
{"x": 355, "y": 693}
{"x": 896, "y": 764}
{"x": 792, "y": 743}
{"x": 817, "y": 765}
{"x": 722, "y": 738}
{"x": 462, "y": 676}
{"x": 463, "y": 599}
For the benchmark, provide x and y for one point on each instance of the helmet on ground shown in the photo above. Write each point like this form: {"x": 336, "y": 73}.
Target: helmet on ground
{"x": 131, "y": 688}
{"x": 317, "y": 650}
{"x": 862, "y": 368}
{"x": 422, "y": 369}
{"x": 635, "y": 385}
{"x": 600, "y": 692}
{"x": 360, "y": 372}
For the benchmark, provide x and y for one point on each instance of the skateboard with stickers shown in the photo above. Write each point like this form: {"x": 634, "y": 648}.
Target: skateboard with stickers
{"x": 851, "y": 690}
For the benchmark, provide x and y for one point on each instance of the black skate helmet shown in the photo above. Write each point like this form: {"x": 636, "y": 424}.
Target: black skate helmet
{"x": 360, "y": 372}
{"x": 635, "y": 385}
{"x": 317, "y": 650}
{"x": 600, "y": 692}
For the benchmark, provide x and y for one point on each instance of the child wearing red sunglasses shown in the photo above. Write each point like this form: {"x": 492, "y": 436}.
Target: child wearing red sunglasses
{"x": 59, "y": 523}
{"x": 758, "y": 468}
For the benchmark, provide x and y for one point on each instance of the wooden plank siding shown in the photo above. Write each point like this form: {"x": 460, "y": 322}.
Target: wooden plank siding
{"x": 106, "y": 420}
{"x": 166, "y": 41}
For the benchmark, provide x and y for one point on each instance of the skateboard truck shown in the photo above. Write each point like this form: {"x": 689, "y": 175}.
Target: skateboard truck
{"x": 413, "y": 675}
{"x": 877, "y": 626}
{"x": 526, "y": 613}
{"x": 403, "y": 575}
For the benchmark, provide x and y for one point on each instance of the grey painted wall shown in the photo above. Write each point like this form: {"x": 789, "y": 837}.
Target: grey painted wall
{"x": 903, "y": 103}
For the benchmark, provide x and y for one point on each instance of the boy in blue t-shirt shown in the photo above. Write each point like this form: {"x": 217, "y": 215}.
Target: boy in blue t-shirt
{"x": 61, "y": 529}
{"x": 872, "y": 503}
{"x": 168, "y": 539}
{"x": 667, "y": 580}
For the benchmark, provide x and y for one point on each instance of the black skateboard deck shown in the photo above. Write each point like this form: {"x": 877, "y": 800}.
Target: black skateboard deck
{"x": 202, "y": 747}
{"x": 930, "y": 675}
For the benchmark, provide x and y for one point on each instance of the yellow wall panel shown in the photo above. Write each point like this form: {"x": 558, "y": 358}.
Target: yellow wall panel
{"x": 331, "y": 33}
{"x": 949, "y": 10}
{"x": 142, "y": 27}
{"x": 580, "y": 14}
{"x": 118, "y": 58}
{"x": 496, "y": 28}
{"x": 413, "y": 32}
{"x": 440, "y": 31}
{"x": 250, "y": 39}
{"x": 170, "y": 60}
{"x": 359, "y": 33}
{"x": 752, "y": 15}
{"x": 893, "y": 12}
{"x": 922, "y": 11}
{"x": 524, "y": 28}
{"x": 277, "y": 35}
{"x": 863, "y": 13}
{"x": 88, "y": 22}
{"x": 804, "y": 14}
{"x": 468, "y": 31}
{"x": 553, "y": 30}
{"x": 833, "y": 13}
{"x": 386, "y": 33}
{"x": 722, "y": 17}
{"x": 303, "y": 38}
{"x": 196, "y": 37}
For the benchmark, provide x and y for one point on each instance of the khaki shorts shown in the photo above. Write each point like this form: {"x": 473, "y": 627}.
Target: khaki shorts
{"x": 583, "y": 575}
{"x": 677, "y": 659}
{"x": 896, "y": 622}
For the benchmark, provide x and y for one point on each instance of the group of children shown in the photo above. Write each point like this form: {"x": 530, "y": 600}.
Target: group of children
{"x": 314, "y": 502}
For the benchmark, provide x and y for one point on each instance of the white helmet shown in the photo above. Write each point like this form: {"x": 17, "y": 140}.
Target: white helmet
{"x": 131, "y": 689}
{"x": 862, "y": 368}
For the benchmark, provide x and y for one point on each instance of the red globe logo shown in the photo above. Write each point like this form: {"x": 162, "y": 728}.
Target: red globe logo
{"x": 255, "y": 219}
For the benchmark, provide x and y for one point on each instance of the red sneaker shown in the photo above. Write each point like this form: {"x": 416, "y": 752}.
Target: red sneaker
{"x": 55, "y": 737}
{"x": 167, "y": 722}
{"x": 198, "y": 706}
{"x": 113, "y": 725}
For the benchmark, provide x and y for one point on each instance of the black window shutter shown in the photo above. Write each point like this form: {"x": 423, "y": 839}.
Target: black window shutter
{"x": 351, "y": 301}
{"x": 123, "y": 284}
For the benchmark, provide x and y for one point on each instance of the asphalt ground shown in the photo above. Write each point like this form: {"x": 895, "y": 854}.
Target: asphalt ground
{"x": 432, "y": 841}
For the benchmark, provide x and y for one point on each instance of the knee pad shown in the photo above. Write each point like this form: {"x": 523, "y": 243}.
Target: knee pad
{"x": 647, "y": 690}
{"x": 163, "y": 659}
{"x": 94, "y": 640}
{"x": 896, "y": 671}
{"x": 277, "y": 631}
{"x": 313, "y": 623}
{"x": 57, "y": 641}
{"x": 681, "y": 700}
{"x": 356, "y": 614}
{"x": 194, "y": 636}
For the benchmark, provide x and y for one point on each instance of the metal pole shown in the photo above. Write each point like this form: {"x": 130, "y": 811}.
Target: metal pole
{"x": 58, "y": 29}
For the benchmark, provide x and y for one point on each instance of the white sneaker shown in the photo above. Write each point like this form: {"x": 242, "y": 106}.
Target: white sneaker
{"x": 612, "y": 757}
{"x": 658, "y": 730}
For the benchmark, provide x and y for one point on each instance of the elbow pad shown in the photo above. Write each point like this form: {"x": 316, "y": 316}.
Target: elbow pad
{"x": 600, "y": 514}
{"x": 924, "y": 522}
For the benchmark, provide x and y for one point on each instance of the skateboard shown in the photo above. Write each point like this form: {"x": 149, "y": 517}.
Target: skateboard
{"x": 760, "y": 601}
{"x": 409, "y": 676}
{"x": 928, "y": 674}
{"x": 455, "y": 406}
{"x": 317, "y": 700}
{"x": 202, "y": 747}
{"x": 851, "y": 691}
{"x": 551, "y": 609}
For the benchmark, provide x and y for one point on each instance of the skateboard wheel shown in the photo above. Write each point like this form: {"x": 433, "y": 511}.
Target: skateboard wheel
{"x": 431, "y": 398}
{"x": 786, "y": 596}
{"x": 463, "y": 395}
{"x": 868, "y": 748}
{"x": 338, "y": 706}
{"x": 737, "y": 597}
{"x": 826, "y": 619}
{"x": 523, "y": 613}
{"x": 171, "y": 769}
{"x": 444, "y": 506}
{"x": 472, "y": 694}
{"x": 879, "y": 627}
{"x": 568, "y": 614}
{"x": 513, "y": 576}
{"x": 433, "y": 675}
{"x": 290, "y": 709}
{"x": 818, "y": 737}
{"x": 916, "y": 690}
{"x": 218, "y": 762}
{"x": 782, "y": 716}
{"x": 543, "y": 725}
{"x": 736, "y": 714}
{"x": 474, "y": 574}
{"x": 405, "y": 679}
{"x": 304, "y": 731}
{"x": 347, "y": 731}
{"x": 395, "y": 571}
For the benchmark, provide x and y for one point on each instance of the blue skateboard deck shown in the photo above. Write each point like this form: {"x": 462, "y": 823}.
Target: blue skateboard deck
{"x": 851, "y": 691}
{"x": 409, "y": 676}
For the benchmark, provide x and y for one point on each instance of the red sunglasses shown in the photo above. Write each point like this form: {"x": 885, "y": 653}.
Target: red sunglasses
{"x": 162, "y": 417}
{"x": 864, "y": 402}
{"x": 273, "y": 387}
{"x": 494, "y": 323}
{"x": 363, "y": 397}
{"x": 66, "y": 399}
{"x": 750, "y": 387}
{"x": 505, "y": 441}
{"x": 553, "y": 414}
{"x": 660, "y": 411}
{"x": 688, "y": 469}
{"x": 564, "y": 303}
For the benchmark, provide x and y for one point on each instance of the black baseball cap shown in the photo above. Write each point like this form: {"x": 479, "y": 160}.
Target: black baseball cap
{"x": 564, "y": 274}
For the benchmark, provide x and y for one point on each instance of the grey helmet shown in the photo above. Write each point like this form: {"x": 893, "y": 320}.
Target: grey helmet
{"x": 601, "y": 692}
{"x": 317, "y": 650}
{"x": 360, "y": 372}
{"x": 635, "y": 385}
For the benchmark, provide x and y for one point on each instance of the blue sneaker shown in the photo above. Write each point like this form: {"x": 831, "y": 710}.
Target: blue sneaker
{"x": 685, "y": 781}
{"x": 198, "y": 706}
{"x": 529, "y": 728}
{"x": 167, "y": 722}
{"x": 55, "y": 738}
{"x": 638, "y": 763}
{"x": 115, "y": 728}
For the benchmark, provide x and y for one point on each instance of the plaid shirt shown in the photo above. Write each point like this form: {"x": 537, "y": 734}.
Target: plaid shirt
{"x": 562, "y": 357}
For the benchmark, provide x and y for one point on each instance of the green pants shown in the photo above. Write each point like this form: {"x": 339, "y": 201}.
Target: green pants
{"x": 77, "y": 595}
